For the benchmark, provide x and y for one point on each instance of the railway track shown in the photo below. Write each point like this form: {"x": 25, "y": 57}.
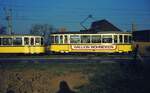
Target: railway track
{"x": 70, "y": 58}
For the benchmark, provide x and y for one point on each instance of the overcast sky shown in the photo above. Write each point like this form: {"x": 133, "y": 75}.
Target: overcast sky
{"x": 69, "y": 13}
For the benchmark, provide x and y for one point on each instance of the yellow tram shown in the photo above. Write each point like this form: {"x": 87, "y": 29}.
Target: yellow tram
{"x": 101, "y": 42}
{"x": 27, "y": 44}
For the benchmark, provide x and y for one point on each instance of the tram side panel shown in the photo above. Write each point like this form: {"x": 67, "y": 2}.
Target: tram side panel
{"x": 90, "y": 48}
{"x": 21, "y": 44}
{"x": 12, "y": 49}
{"x": 61, "y": 48}
{"x": 23, "y": 49}
{"x": 122, "y": 48}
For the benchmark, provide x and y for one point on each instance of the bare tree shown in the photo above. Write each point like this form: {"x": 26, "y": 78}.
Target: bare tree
{"x": 43, "y": 30}
{"x": 3, "y": 30}
{"x": 63, "y": 29}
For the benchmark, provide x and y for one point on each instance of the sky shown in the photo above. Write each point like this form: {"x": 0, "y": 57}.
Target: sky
{"x": 69, "y": 13}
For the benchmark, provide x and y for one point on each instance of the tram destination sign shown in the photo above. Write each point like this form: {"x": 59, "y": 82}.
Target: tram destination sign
{"x": 93, "y": 47}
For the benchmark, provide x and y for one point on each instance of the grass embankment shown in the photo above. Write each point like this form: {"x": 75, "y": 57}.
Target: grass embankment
{"x": 119, "y": 78}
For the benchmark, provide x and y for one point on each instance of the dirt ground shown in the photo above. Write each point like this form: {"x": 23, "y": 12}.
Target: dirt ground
{"x": 31, "y": 80}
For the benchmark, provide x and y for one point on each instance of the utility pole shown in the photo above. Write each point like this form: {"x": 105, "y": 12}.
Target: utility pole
{"x": 133, "y": 27}
{"x": 8, "y": 13}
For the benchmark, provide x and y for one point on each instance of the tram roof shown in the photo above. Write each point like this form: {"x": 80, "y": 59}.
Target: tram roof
{"x": 18, "y": 35}
{"x": 88, "y": 32}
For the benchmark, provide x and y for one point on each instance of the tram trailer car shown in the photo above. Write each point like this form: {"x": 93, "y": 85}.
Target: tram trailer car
{"x": 26, "y": 44}
{"x": 101, "y": 42}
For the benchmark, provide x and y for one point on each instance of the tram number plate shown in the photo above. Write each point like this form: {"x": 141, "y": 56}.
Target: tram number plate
{"x": 93, "y": 47}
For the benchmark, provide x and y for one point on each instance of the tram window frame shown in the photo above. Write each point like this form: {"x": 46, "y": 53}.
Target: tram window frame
{"x": 32, "y": 41}
{"x": 61, "y": 39}
{"x": 56, "y": 39}
{"x": 15, "y": 41}
{"x": 42, "y": 41}
{"x": 26, "y": 41}
{"x": 0, "y": 41}
{"x": 65, "y": 39}
{"x": 75, "y": 39}
{"x": 85, "y": 39}
{"x": 52, "y": 39}
{"x": 96, "y": 38}
{"x": 120, "y": 38}
{"x": 7, "y": 42}
{"x": 115, "y": 39}
{"x": 37, "y": 41}
{"x": 130, "y": 39}
{"x": 107, "y": 39}
{"x": 126, "y": 39}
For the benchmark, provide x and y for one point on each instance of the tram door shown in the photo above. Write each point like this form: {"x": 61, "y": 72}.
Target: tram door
{"x": 32, "y": 45}
{"x": 26, "y": 44}
{"x": 63, "y": 41}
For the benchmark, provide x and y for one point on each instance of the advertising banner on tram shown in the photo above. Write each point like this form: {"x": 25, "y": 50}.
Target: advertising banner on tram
{"x": 96, "y": 47}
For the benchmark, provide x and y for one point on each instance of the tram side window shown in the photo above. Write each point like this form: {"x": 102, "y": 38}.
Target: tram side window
{"x": 107, "y": 39}
{"x": 65, "y": 39}
{"x": 96, "y": 39}
{"x": 130, "y": 39}
{"x": 85, "y": 39}
{"x": 125, "y": 38}
{"x": 56, "y": 39}
{"x": 42, "y": 41}
{"x": 32, "y": 41}
{"x": 37, "y": 41}
{"x": 17, "y": 41}
{"x": 115, "y": 39}
{"x": 7, "y": 41}
{"x": 52, "y": 39}
{"x": 26, "y": 41}
{"x": 61, "y": 39}
{"x": 74, "y": 39}
{"x": 0, "y": 41}
{"x": 120, "y": 38}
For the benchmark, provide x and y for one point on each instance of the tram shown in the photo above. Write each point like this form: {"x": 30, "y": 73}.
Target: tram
{"x": 26, "y": 44}
{"x": 100, "y": 42}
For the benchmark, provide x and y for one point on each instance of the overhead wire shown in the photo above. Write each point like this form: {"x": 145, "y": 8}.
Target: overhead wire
{"x": 67, "y": 14}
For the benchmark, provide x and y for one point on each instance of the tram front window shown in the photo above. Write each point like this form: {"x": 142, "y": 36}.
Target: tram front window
{"x": 107, "y": 39}
{"x": 17, "y": 41}
{"x": 7, "y": 41}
